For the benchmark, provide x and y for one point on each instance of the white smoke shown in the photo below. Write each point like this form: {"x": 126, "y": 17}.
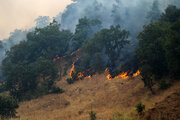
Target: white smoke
{"x": 130, "y": 14}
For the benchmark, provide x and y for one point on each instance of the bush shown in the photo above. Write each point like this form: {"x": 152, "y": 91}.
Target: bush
{"x": 8, "y": 106}
{"x": 57, "y": 90}
{"x": 92, "y": 115}
{"x": 140, "y": 108}
{"x": 164, "y": 85}
{"x": 69, "y": 80}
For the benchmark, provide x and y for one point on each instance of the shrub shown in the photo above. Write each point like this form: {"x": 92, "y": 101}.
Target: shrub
{"x": 69, "y": 80}
{"x": 8, "y": 106}
{"x": 57, "y": 90}
{"x": 164, "y": 85}
{"x": 140, "y": 108}
{"x": 92, "y": 115}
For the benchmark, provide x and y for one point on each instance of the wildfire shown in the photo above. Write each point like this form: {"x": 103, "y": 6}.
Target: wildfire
{"x": 123, "y": 75}
{"x": 89, "y": 76}
{"x": 80, "y": 75}
{"x": 137, "y": 73}
{"x": 72, "y": 69}
{"x": 109, "y": 76}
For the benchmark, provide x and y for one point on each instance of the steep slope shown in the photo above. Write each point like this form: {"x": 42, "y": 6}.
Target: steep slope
{"x": 99, "y": 94}
{"x": 168, "y": 109}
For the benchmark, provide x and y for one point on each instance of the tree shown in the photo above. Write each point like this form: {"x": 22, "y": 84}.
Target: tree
{"x": 8, "y": 106}
{"x": 47, "y": 71}
{"x": 84, "y": 29}
{"x": 151, "y": 52}
{"x": 159, "y": 48}
{"x": 28, "y": 69}
{"x": 172, "y": 48}
{"x": 171, "y": 14}
{"x": 108, "y": 42}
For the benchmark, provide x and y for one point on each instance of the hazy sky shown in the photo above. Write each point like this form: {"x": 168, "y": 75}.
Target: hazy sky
{"x": 20, "y": 14}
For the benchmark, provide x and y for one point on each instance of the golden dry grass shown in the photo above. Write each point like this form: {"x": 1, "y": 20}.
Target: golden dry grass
{"x": 97, "y": 93}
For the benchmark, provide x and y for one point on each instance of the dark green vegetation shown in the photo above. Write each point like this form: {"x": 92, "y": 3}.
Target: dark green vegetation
{"x": 159, "y": 49}
{"x": 140, "y": 108}
{"x": 107, "y": 42}
{"x": 28, "y": 69}
{"x": 8, "y": 106}
{"x": 92, "y": 115}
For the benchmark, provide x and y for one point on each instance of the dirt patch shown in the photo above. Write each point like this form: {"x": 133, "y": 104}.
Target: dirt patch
{"x": 168, "y": 109}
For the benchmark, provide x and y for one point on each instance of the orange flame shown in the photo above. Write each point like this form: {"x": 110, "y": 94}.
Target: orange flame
{"x": 80, "y": 75}
{"x": 109, "y": 76}
{"x": 72, "y": 69}
{"x": 123, "y": 75}
{"x": 137, "y": 73}
{"x": 89, "y": 76}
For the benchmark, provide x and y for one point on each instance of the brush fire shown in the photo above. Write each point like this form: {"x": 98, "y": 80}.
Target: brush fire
{"x": 88, "y": 73}
{"x": 123, "y": 75}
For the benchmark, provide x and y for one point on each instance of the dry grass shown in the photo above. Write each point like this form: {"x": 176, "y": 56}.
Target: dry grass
{"x": 97, "y": 93}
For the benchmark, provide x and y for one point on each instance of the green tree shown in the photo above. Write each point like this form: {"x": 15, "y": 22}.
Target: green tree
{"x": 172, "y": 48}
{"x": 108, "y": 42}
{"x": 8, "y": 106}
{"x": 28, "y": 69}
{"x": 47, "y": 70}
{"x": 171, "y": 14}
{"x": 84, "y": 29}
{"x": 151, "y": 51}
{"x": 159, "y": 48}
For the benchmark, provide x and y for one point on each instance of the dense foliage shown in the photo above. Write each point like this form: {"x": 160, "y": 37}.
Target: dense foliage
{"x": 84, "y": 29}
{"x": 28, "y": 68}
{"x": 107, "y": 42}
{"x": 8, "y": 106}
{"x": 159, "y": 48}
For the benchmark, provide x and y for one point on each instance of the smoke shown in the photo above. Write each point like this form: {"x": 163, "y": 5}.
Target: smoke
{"x": 130, "y": 14}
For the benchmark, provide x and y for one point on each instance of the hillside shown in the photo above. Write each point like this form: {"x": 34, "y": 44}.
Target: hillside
{"x": 103, "y": 96}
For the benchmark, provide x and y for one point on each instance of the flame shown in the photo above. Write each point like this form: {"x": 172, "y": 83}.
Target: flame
{"x": 109, "y": 76}
{"x": 89, "y": 76}
{"x": 80, "y": 75}
{"x": 137, "y": 73}
{"x": 72, "y": 69}
{"x": 123, "y": 75}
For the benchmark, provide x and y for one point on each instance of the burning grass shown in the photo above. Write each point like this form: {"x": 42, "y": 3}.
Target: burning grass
{"x": 123, "y": 75}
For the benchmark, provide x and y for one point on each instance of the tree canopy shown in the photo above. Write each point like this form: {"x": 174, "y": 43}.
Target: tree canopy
{"x": 159, "y": 46}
